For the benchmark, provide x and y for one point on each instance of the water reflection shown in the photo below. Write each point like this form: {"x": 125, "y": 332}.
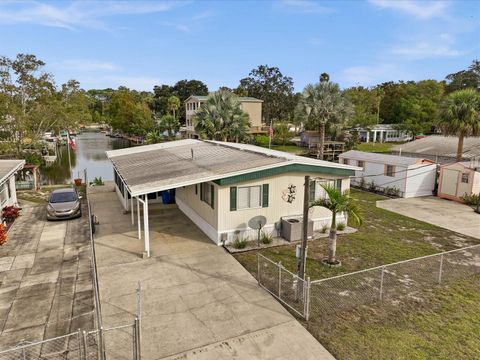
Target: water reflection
{"x": 90, "y": 155}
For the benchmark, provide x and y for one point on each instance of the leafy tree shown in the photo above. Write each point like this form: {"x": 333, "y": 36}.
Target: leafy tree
{"x": 276, "y": 90}
{"x": 365, "y": 104}
{"x": 221, "y": 118}
{"x": 173, "y": 104}
{"x": 129, "y": 116}
{"x": 323, "y": 103}
{"x": 153, "y": 137}
{"x": 282, "y": 133}
{"x": 461, "y": 116}
{"x": 169, "y": 124}
{"x": 337, "y": 202}
{"x": 464, "y": 79}
{"x": 324, "y": 77}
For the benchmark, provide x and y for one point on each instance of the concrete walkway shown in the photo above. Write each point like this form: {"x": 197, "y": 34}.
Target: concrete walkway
{"x": 198, "y": 302}
{"x": 443, "y": 213}
{"x": 45, "y": 279}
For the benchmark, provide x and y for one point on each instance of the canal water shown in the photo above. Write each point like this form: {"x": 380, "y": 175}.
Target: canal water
{"x": 89, "y": 154}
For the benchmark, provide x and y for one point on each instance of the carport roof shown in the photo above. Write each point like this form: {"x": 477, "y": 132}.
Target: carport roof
{"x": 151, "y": 168}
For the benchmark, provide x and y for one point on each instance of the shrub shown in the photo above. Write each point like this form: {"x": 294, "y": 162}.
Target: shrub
{"x": 363, "y": 183}
{"x": 324, "y": 229}
{"x": 3, "y": 234}
{"x": 98, "y": 181}
{"x": 341, "y": 226}
{"x": 261, "y": 140}
{"x": 266, "y": 238}
{"x": 10, "y": 213}
{"x": 372, "y": 186}
{"x": 240, "y": 243}
{"x": 471, "y": 199}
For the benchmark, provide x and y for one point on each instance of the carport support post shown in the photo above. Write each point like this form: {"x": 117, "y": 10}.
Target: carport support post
{"x": 138, "y": 220}
{"x": 306, "y": 201}
{"x": 131, "y": 210}
{"x": 146, "y": 228}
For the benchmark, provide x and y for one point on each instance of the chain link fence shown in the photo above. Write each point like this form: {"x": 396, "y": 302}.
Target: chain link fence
{"x": 119, "y": 343}
{"x": 392, "y": 282}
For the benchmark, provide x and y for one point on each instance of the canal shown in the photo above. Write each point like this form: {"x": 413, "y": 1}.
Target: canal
{"x": 89, "y": 154}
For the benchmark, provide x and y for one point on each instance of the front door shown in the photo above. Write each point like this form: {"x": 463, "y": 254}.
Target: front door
{"x": 449, "y": 182}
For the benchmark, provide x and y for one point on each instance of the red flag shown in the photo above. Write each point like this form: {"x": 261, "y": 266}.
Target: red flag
{"x": 71, "y": 142}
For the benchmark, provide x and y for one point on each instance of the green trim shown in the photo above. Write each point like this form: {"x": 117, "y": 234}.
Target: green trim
{"x": 282, "y": 170}
{"x": 233, "y": 198}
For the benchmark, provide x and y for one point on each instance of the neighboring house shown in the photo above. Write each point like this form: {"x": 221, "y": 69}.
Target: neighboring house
{"x": 250, "y": 105}
{"x": 221, "y": 186}
{"x": 382, "y": 133}
{"x": 459, "y": 179}
{"x": 441, "y": 149}
{"x": 8, "y": 169}
{"x": 411, "y": 177}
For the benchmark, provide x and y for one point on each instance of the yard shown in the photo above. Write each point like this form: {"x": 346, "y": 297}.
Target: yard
{"x": 379, "y": 332}
{"x": 377, "y": 147}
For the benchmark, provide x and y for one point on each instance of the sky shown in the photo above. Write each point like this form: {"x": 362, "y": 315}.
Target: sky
{"x": 141, "y": 44}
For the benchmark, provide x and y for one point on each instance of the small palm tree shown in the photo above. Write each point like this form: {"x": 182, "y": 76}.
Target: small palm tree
{"x": 461, "y": 116}
{"x": 169, "y": 124}
{"x": 221, "y": 118}
{"x": 173, "y": 105}
{"x": 337, "y": 202}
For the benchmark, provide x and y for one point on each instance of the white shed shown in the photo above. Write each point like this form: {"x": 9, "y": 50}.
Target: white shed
{"x": 405, "y": 176}
{"x": 459, "y": 179}
{"x": 8, "y": 193}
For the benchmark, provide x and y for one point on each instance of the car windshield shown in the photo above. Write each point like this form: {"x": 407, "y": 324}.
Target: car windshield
{"x": 62, "y": 197}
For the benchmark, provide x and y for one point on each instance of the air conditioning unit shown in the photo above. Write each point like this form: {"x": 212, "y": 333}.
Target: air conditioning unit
{"x": 292, "y": 228}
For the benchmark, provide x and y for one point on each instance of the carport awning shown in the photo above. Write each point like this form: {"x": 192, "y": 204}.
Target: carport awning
{"x": 152, "y": 168}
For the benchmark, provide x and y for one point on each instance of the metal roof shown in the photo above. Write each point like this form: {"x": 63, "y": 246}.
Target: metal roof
{"x": 437, "y": 145}
{"x": 158, "y": 167}
{"x": 9, "y": 167}
{"x": 380, "y": 158}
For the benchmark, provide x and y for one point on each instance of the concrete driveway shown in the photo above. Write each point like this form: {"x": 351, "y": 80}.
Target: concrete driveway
{"x": 198, "y": 302}
{"x": 443, "y": 213}
{"x": 45, "y": 279}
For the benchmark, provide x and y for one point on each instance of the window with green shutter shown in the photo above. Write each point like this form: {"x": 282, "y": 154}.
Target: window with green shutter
{"x": 338, "y": 184}
{"x": 312, "y": 190}
{"x": 212, "y": 194}
{"x": 265, "y": 195}
{"x": 233, "y": 198}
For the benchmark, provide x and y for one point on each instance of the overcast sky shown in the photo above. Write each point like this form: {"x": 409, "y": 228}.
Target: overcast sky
{"x": 141, "y": 44}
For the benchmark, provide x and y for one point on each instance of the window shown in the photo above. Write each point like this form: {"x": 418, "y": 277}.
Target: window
{"x": 361, "y": 163}
{"x": 390, "y": 170}
{"x": 465, "y": 178}
{"x": 345, "y": 161}
{"x": 207, "y": 193}
{"x": 249, "y": 197}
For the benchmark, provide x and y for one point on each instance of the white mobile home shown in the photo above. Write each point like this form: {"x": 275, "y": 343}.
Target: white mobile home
{"x": 458, "y": 179}
{"x": 409, "y": 177}
{"x": 221, "y": 186}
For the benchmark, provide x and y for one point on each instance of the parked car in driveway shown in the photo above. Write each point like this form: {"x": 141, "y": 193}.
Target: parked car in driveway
{"x": 64, "y": 204}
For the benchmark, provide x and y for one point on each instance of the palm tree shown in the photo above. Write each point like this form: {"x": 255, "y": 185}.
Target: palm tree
{"x": 221, "y": 118}
{"x": 461, "y": 116}
{"x": 169, "y": 124}
{"x": 324, "y": 103}
{"x": 173, "y": 104}
{"x": 337, "y": 202}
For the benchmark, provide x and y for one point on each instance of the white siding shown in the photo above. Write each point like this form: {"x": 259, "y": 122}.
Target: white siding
{"x": 421, "y": 180}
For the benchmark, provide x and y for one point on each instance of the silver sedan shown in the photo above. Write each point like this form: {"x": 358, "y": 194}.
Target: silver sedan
{"x": 64, "y": 204}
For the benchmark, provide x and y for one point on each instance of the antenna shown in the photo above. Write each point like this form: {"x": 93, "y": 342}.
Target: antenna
{"x": 191, "y": 149}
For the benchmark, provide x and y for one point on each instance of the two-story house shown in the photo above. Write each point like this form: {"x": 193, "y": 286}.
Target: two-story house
{"x": 250, "y": 105}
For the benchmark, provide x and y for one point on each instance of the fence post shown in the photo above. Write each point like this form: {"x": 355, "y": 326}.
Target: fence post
{"x": 85, "y": 345}
{"x": 381, "y": 283}
{"x": 137, "y": 340}
{"x": 258, "y": 269}
{"x": 440, "y": 270}
{"x": 307, "y": 299}
{"x": 279, "y": 279}
{"x": 101, "y": 344}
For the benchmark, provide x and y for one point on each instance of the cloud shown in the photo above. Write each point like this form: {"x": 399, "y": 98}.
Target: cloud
{"x": 420, "y": 9}
{"x": 441, "y": 45}
{"x": 186, "y": 24}
{"x": 88, "y": 65}
{"x": 77, "y": 14}
{"x": 302, "y": 7}
{"x": 371, "y": 75}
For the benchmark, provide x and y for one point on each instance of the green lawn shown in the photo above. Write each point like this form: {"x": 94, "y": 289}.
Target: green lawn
{"x": 377, "y": 147}
{"x": 384, "y": 237}
{"x": 442, "y": 323}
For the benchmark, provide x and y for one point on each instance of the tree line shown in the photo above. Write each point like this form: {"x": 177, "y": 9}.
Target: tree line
{"x": 31, "y": 103}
